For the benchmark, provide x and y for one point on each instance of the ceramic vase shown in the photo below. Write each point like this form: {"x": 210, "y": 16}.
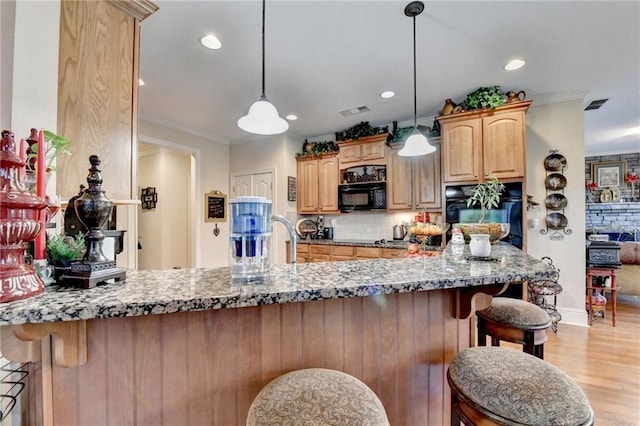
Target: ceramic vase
{"x": 479, "y": 245}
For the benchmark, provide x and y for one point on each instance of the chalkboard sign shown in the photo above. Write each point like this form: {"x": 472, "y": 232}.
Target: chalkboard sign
{"x": 215, "y": 207}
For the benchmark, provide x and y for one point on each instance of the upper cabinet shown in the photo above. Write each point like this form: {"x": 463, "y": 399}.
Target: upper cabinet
{"x": 363, "y": 150}
{"x": 414, "y": 182}
{"x": 479, "y": 144}
{"x": 317, "y": 185}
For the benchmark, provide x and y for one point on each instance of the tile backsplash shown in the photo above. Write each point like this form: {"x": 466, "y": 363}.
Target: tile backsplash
{"x": 366, "y": 226}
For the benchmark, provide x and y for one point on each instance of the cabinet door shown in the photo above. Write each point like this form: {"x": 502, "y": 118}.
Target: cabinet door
{"x": 393, "y": 253}
{"x": 373, "y": 151}
{"x": 368, "y": 252}
{"x": 503, "y": 140}
{"x": 350, "y": 153}
{"x": 328, "y": 185}
{"x": 307, "y": 186}
{"x": 427, "y": 190}
{"x": 461, "y": 150}
{"x": 398, "y": 182}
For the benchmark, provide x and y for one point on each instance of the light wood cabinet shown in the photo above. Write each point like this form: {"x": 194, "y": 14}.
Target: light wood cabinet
{"x": 367, "y": 252}
{"x": 326, "y": 253}
{"x": 317, "y": 185}
{"x": 479, "y": 144}
{"x": 414, "y": 182}
{"x": 363, "y": 150}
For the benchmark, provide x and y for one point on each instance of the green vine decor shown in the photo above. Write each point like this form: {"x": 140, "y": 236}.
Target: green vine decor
{"x": 314, "y": 149}
{"x": 485, "y": 97}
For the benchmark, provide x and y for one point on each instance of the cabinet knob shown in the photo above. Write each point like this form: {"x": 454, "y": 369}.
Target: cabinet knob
{"x": 408, "y": 204}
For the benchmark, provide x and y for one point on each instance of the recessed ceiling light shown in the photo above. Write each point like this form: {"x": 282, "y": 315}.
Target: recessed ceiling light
{"x": 140, "y": 82}
{"x": 291, "y": 117}
{"x": 514, "y": 64}
{"x": 387, "y": 94}
{"x": 211, "y": 42}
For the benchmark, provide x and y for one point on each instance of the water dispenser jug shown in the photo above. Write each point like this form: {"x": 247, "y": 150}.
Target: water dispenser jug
{"x": 249, "y": 246}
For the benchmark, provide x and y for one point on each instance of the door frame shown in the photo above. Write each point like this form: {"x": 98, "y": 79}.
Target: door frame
{"x": 194, "y": 201}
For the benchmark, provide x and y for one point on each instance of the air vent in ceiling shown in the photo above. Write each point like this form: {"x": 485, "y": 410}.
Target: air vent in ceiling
{"x": 353, "y": 111}
{"x": 596, "y": 104}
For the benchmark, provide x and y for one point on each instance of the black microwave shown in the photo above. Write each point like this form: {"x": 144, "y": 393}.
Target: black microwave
{"x": 362, "y": 196}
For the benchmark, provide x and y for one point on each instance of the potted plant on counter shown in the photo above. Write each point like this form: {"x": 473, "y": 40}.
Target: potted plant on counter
{"x": 486, "y": 196}
{"x": 62, "y": 250}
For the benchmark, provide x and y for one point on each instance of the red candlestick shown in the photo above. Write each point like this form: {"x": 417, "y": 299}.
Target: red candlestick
{"x": 22, "y": 154}
{"x": 41, "y": 239}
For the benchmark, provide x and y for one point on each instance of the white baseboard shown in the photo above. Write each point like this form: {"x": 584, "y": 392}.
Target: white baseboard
{"x": 574, "y": 317}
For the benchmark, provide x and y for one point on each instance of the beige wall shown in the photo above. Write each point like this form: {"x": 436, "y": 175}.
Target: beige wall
{"x": 560, "y": 126}
{"x": 211, "y": 168}
{"x": 164, "y": 232}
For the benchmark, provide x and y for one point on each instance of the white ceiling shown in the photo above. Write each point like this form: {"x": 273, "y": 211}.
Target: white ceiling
{"x": 323, "y": 57}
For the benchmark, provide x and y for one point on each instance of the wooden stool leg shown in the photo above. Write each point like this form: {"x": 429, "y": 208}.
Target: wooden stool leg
{"x": 538, "y": 351}
{"x": 455, "y": 418}
{"x": 495, "y": 341}
{"x": 589, "y": 306}
{"x": 528, "y": 346}
{"x": 614, "y": 290}
{"x": 482, "y": 335}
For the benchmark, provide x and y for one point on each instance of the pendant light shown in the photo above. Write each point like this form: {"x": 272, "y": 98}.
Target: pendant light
{"x": 416, "y": 144}
{"x": 263, "y": 118}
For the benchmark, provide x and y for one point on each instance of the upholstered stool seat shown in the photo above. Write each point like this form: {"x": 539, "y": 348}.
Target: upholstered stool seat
{"x": 316, "y": 396}
{"x": 515, "y": 321}
{"x": 499, "y": 386}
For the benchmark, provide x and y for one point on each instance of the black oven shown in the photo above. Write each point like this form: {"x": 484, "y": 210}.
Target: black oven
{"x": 509, "y": 210}
{"x": 362, "y": 196}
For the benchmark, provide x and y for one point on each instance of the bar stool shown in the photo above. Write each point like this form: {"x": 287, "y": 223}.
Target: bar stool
{"x": 499, "y": 386}
{"x": 316, "y": 396}
{"x": 609, "y": 273}
{"x": 515, "y": 321}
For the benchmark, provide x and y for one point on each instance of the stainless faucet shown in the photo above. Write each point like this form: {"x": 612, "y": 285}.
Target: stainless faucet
{"x": 292, "y": 233}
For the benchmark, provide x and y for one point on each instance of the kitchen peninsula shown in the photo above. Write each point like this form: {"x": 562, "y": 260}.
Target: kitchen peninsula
{"x": 188, "y": 347}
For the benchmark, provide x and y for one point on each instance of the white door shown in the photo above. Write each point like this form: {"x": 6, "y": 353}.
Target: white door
{"x": 257, "y": 184}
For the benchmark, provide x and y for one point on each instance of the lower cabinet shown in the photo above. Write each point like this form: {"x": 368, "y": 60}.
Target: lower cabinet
{"x": 326, "y": 253}
{"x": 389, "y": 253}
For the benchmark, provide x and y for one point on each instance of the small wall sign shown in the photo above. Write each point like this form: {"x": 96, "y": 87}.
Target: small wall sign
{"x": 215, "y": 207}
{"x": 291, "y": 188}
{"x": 149, "y": 198}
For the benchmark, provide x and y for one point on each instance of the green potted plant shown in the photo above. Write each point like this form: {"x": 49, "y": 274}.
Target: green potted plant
{"x": 486, "y": 196}
{"x": 485, "y": 97}
{"x": 62, "y": 250}
{"x": 56, "y": 145}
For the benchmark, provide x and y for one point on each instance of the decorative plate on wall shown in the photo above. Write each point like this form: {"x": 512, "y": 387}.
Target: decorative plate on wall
{"x": 555, "y": 201}
{"x": 555, "y": 181}
{"x": 556, "y": 221}
{"x": 555, "y": 162}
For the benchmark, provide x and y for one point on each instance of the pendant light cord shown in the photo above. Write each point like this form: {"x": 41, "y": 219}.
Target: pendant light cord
{"x": 415, "y": 97}
{"x": 263, "y": 20}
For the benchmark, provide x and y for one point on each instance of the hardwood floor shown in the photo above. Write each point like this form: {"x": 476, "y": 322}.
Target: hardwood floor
{"x": 605, "y": 361}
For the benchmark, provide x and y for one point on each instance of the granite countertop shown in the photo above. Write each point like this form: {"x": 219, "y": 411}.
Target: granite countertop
{"x": 180, "y": 290}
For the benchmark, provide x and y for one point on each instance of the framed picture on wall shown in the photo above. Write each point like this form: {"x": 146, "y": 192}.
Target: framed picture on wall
{"x": 215, "y": 207}
{"x": 609, "y": 173}
{"x": 291, "y": 188}
{"x": 149, "y": 198}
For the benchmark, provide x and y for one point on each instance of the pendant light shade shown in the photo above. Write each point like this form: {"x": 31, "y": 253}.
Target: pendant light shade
{"x": 263, "y": 118}
{"x": 416, "y": 144}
